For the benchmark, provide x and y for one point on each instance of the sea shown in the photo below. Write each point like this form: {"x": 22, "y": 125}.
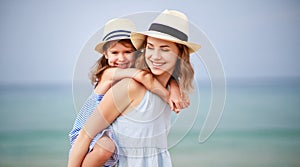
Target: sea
{"x": 258, "y": 127}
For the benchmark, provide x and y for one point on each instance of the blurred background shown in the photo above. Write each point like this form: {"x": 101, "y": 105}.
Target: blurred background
{"x": 257, "y": 42}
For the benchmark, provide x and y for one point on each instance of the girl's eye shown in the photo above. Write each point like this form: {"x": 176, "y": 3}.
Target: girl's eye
{"x": 128, "y": 52}
{"x": 114, "y": 52}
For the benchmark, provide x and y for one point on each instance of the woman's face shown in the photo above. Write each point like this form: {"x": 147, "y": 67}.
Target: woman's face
{"x": 161, "y": 56}
{"x": 120, "y": 55}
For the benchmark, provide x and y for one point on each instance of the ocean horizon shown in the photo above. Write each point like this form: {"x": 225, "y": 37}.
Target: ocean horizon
{"x": 260, "y": 126}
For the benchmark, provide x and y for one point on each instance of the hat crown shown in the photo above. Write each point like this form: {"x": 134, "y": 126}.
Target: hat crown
{"x": 118, "y": 27}
{"x": 174, "y": 19}
{"x": 115, "y": 29}
{"x": 170, "y": 25}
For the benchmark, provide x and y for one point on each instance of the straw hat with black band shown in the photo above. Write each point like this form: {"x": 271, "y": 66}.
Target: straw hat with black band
{"x": 170, "y": 25}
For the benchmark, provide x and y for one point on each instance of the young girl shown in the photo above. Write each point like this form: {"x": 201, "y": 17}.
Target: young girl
{"x": 118, "y": 55}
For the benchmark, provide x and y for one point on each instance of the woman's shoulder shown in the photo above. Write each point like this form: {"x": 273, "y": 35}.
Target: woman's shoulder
{"x": 132, "y": 85}
{"x": 135, "y": 92}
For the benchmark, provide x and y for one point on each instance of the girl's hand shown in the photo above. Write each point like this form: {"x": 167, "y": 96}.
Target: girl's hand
{"x": 177, "y": 104}
{"x": 178, "y": 101}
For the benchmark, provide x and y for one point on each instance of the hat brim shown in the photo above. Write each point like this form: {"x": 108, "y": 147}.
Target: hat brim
{"x": 99, "y": 46}
{"x": 138, "y": 38}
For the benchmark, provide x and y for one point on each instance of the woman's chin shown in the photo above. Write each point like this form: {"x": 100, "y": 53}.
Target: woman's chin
{"x": 157, "y": 71}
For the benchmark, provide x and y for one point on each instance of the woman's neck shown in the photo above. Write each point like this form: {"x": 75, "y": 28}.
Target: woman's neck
{"x": 163, "y": 79}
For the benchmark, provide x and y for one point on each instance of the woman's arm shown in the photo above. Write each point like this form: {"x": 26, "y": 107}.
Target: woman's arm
{"x": 141, "y": 76}
{"x": 117, "y": 100}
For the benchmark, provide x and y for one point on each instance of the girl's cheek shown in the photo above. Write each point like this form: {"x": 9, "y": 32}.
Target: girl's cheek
{"x": 111, "y": 61}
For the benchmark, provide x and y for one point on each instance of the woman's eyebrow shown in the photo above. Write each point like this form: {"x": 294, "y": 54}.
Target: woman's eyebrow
{"x": 161, "y": 46}
{"x": 149, "y": 44}
{"x": 164, "y": 46}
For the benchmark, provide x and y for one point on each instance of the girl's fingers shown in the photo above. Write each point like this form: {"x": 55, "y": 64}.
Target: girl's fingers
{"x": 178, "y": 105}
{"x": 171, "y": 105}
{"x": 185, "y": 104}
{"x": 177, "y": 110}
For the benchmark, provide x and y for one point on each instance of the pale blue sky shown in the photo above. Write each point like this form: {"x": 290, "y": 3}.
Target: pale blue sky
{"x": 41, "y": 40}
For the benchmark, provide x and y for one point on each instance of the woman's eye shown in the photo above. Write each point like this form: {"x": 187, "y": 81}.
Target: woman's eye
{"x": 149, "y": 46}
{"x": 165, "y": 49}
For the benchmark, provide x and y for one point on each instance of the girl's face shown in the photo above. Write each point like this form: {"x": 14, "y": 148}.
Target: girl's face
{"x": 120, "y": 55}
{"x": 161, "y": 56}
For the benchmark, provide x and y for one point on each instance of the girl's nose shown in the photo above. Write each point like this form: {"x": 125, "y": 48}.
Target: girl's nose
{"x": 121, "y": 57}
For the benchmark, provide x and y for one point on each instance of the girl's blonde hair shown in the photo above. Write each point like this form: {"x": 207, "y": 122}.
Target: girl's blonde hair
{"x": 102, "y": 63}
{"x": 183, "y": 72}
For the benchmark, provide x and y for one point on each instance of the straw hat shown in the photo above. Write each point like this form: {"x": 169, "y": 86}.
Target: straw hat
{"x": 115, "y": 29}
{"x": 170, "y": 25}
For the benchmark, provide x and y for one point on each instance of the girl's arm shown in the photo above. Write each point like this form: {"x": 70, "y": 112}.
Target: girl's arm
{"x": 174, "y": 97}
{"x": 177, "y": 101}
{"x": 141, "y": 76}
{"x": 111, "y": 106}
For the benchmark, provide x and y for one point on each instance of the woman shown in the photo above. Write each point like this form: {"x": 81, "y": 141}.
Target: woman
{"x": 143, "y": 119}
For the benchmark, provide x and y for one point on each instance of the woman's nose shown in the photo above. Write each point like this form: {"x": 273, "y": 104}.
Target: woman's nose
{"x": 156, "y": 54}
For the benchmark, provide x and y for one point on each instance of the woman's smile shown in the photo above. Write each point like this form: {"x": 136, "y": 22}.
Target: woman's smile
{"x": 156, "y": 64}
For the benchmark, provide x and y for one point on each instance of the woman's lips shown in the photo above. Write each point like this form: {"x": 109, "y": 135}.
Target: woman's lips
{"x": 157, "y": 64}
